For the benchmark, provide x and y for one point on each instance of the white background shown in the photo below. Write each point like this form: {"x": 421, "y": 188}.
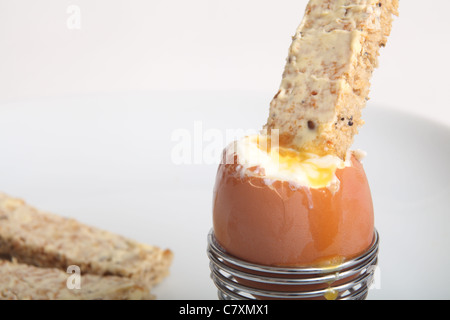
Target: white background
{"x": 143, "y": 45}
{"x": 87, "y": 117}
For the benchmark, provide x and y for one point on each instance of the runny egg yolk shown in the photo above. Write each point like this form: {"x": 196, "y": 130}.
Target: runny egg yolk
{"x": 319, "y": 172}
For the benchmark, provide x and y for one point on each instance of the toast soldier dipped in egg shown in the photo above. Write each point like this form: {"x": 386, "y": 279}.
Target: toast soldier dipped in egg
{"x": 296, "y": 195}
{"x": 326, "y": 80}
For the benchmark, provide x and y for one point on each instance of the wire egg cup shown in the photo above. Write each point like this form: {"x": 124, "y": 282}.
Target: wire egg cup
{"x": 236, "y": 279}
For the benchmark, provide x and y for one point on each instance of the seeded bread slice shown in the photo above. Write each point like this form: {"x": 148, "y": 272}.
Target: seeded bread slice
{"x": 326, "y": 80}
{"x": 50, "y": 241}
{"x": 25, "y": 282}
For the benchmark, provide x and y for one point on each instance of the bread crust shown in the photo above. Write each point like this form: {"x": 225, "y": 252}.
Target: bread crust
{"x": 46, "y": 240}
{"x": 26, "y": 282}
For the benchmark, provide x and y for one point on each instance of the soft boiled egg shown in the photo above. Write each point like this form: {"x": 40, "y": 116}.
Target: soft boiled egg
{"x": 276, "y": 206}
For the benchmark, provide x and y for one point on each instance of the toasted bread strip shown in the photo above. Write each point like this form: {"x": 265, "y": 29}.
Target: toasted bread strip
{"x": 50, "y": 241}
{"x": 326, "y": 80}
{"x": 25, "y": 282}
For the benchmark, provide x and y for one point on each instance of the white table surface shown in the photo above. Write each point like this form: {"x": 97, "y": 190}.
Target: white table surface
{"x": 107, "y": 161}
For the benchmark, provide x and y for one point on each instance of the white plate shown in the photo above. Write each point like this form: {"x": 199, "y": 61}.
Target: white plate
{"x": 107, "y": 161}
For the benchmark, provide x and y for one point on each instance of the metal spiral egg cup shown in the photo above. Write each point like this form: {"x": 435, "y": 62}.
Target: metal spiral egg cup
{"x": 350, "y": 280}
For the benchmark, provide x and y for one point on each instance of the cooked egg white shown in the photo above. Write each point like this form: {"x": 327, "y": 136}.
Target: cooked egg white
{"x": 258, "y": 156}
